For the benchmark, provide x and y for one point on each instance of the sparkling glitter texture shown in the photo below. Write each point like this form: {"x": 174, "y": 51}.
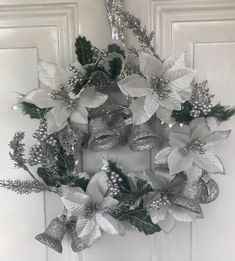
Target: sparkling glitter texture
{"x": 142, "y": 138}
{"x": 210, "y": 189}
{"x": 196, "y": 145}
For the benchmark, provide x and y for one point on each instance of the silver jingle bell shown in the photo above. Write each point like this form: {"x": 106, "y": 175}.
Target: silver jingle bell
{"x": 53, "y": 235}
{"x": 210, "y": 189}
{"x": 101, "y": 136}
{"x": 142, "y": 138}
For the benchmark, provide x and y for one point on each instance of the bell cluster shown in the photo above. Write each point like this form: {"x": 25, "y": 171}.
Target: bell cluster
{"x": 41, "y": 135}
{"x": 162, "y": 201}
{"x": 201, "y": 100}
{"x": 114, "y": 184}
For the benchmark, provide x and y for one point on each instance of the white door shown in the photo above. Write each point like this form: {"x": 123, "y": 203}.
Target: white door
{"x": 31, "y": 30}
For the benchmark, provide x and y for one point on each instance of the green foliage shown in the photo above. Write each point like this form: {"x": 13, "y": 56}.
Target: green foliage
{"x": 183, "y": 116}
{"x": 143, "y": 188}
{"x": 33, "y": 111}
{"x": 221, "y": 112}
{"x": 142, "y": 221}
{"x": 125, "y": 186}
{"x": 63, "y": 175}
{"x": 84, "y": 50}
{"x": 116, "y": 48}
{"x": 115, "y": 67}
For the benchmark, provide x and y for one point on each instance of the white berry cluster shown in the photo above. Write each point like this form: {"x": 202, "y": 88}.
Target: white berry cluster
{"x": 114, "y": 184}
{"x": 162, "y": 201}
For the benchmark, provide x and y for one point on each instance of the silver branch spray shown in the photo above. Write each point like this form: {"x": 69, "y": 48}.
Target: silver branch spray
{"x": 114, "y": 19}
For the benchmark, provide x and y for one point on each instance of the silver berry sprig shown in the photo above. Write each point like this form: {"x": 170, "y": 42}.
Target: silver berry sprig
{"x": 114, "y": 184}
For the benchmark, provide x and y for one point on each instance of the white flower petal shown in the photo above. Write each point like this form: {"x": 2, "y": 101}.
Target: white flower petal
{"x": 134, "y": 86}
{"x": 90, "y": 98}
{"x": 52, "y": 75}
{"x": 168, "y": 224}
{"x": 108, "y": 202}
{"x": 109, "y": 224}
{"x": 150, "y": 66}
{"x": 180, "y": 214}
{"x": 178, "y": 140}
{"x": 98, "y": 186}
{"x": 216, "y": 137}
{"x": 59, "y": 114}
{"x": 158, "y": 214}
{"x": 137, "y": 109}
{"x": 79, "y": 115}
{"x": 151, "y": 104}
{"x": 174, "y": 60}
{"x": 66, "y": 190}
{"x": 40, "y": 97}
{"x": 162, "y": 155}
{"x": 200, "y": 131}
{"x": 179, "y": 161}
{"x": 164, "y": 115}
{"x": 208, "y": 162}
{"x": 194, "y": 173}
{"x": 173, "y": 102}
{"x": 177, "y": 72}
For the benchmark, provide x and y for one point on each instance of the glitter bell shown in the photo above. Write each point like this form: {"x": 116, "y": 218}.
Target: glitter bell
{"x": 53, "y": 235}
{"x": 142, "y": 138}
{"x": 210, "y": 189}
{"x": 101, "y": 136}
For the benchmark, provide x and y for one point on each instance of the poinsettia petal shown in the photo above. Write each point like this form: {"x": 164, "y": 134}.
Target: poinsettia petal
{"x": 52, "y": 75}
{"x": 164, "y": 115}
{"x": 134, "y": 86}
{"x": 194, "y": 173}
{"x": 173, "y": 102}
{"x": 158, "y": 214}
{"x": 40, "y": 97}
{"x": 150, "y": 66}
{"x": 201, "y": 130}
{"x": 108, "y": 202}
{"x": 59, "y": 112}
{"x": 90, "y": 98}
{"x": 178, "y": 161}
{"x": 178, "y": 140}
{"x": 79, "y": 115}
{"x": 168, "y": 224}
{"x": 174, "y": 60}
{"x": 98, "y": 186}
{"x": 180, "y": 214}
{"x": 137, "y": 109}
{"x": 151, "y": 104}
{"x": 109, "y": 224}
{"x": 162, "y": 155}
{"x": 177, "y": 72}
{"x": 216, "y": 137}
{"x": 66, "y": 190}
{"x": 209, "y": 162}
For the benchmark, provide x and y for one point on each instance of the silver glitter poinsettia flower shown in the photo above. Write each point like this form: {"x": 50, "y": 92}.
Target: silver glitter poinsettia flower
{"x": 162, "y": 207}
{"x": 190, "y": 147}
{"x": 164, "y": 87}
{"x": 56, "y": 94}
{"x": 92, "y": 209}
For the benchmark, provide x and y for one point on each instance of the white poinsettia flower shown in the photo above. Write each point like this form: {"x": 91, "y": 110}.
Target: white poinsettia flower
{"x": 161, "y": 209}
{"x": 57, "y": 95}
{"x": 190, "y": 147}
{"x": 92, "y": 209}
{"x": 165, "y": 87}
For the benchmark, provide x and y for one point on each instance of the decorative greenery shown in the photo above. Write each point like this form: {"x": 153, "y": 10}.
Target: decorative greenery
{"x": 221, "y": 113}
{"x": 33, "y": 111}
{"x": 84, "y": 50}
{"x": 183, "y": 116}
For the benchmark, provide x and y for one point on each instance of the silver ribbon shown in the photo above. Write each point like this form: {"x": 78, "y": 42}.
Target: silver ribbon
{"x": 114, "y": 19}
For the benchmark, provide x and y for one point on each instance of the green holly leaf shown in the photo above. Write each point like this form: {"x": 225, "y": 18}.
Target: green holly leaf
{"x": 142, "y": 188}
{"x": 84, "y": 50}
{"x": 142, "y": 221}
{"x": 48, "y": 177}
{"x": 65, "y": 163}
{"x": 183, "y": 116}
{"x": 33, "y": 111}
{"x": 221, "y": 113}
{"x": 75, "y": 181}
{"x": 117, "y": 49}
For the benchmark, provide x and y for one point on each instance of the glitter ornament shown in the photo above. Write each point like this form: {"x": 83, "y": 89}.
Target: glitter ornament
{"x": 201, "y": 100}
{"x": 101, "y": 136}
{"x": 210, "y": 189}
{"x": 71, "y": 139}
{"x": 54, "y": 234}
{"x": 142, "y": 138}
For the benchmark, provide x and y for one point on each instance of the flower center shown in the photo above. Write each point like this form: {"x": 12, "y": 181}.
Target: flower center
{"x": 62, "y": 94}
{"x": 162, "y": 201}
{"x": 90, "y": 210}
{"x": 196, "y": 145}
{"x": 160, "y": 86}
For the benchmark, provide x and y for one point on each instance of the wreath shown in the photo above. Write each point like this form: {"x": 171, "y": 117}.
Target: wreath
{"x": 114, "y": 97}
